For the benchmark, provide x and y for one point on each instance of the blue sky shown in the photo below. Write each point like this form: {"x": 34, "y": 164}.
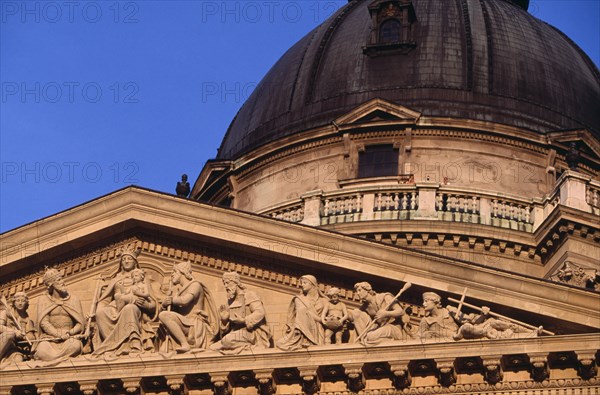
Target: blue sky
{"x": 98, "y": 95}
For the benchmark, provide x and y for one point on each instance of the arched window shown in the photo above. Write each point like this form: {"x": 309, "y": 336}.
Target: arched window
{"x": 389, "y": 31}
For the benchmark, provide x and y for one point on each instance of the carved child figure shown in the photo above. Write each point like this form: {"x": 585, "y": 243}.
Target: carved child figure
{"x": 334, "y": 316}
{"x": 139, "y": 289}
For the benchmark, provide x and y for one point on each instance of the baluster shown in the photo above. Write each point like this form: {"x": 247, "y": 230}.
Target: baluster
{"x": 452, "y": 203}
{"x": 387, "y": 201}
{"x": 527, "y": 214}
{"x": 404, "y": 202}
{"x": 378, "y": 203}
{"x": 595, "y": 198}
{"x": 396, "y": 201}
{"x": 439, "y": 202}
{"x": 520, "y": 213}
{"x": 495, "y": 208}
{"x": 349, "y": 204}
{"x": 475, "y": 204}
{"x": 326, "y": 208}
{"x": 503, "y": 210}
{"x": 413, "y": 201}
{"x": 359, "y": 203}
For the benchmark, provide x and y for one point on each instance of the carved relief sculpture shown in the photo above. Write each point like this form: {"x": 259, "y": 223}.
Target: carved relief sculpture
{"x": 578, "y": 276}
{"x": 334, "y": 316}
{"x": 437, "y": 323}
{"x": 60, "y": 321}
{"x": 17, "y": 330}
{"x": 243, "y": 320}
{"x": 127, "y": 330}
{"x": 488, "y": 325}
{"x": 304, "y": 327}
{"x": 189, "y": 317}
{"x": 380, "y": 317}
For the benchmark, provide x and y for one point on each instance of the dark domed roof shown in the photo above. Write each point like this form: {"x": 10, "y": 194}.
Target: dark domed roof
{"x": 478, "y": 59}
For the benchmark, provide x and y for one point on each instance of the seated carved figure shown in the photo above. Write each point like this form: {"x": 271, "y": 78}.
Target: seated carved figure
{"x": 390, "y": 319}
{"x": 304, "y": 327}
{"x": 437, "y": 323}
{"x": 243, "y": 322}
{"x": 15, "y": 329}
{"x": 480, "y": 326}
{"x": 189, "y": 317}
{"x": 126, "y": 330}
{"x": 60, "y": 321}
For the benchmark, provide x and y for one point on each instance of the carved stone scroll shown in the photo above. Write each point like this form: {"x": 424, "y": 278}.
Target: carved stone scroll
{"x": 401, "y": 377}
{"x": 492, "y": 370}
{"x": 587, "y": 365}
{"x": 310, "y": 380}
{"x": 88, "y": 387}
{"x": 355, "y": 377}
{"x": 539, "y": 367}
{"x": 45, "y": 390}
{"x": 446, "y": 372}
{"x": 221, "y": 383}
{"x": 131, "y": 385}
{"x": 175, "y": 384}
{"x": 266, "y": 384}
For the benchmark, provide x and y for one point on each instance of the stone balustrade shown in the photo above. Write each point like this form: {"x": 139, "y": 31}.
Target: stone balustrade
{"x": 291, "y": 213}
{"x": 440, "y": 202}
{"x": 536, "y": 363}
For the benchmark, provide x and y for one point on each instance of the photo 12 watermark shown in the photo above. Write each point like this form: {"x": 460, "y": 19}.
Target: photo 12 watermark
{"x": 268, "y": 11}
{"x": 53, "y": 92}
{"x": 72, "y": 12}
{"x": 71, "y": 172}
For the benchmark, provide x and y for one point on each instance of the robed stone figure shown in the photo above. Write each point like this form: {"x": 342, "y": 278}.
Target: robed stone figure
{"x": 243, "y": 319}
{"x": 60, "y": 321}
{"x": 127, "y": 330}
{"x": 304, "y": 328}
{"x": 189, "y": 317}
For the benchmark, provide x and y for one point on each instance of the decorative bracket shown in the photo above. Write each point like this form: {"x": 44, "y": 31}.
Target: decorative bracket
{"x": 266, "y": 384}
{"x": 310, "y": 380}
{"x": 221, "y": 383}
{"x": 175, "y": 384}
{"x": 587, "y": 365}
{"x": 492, "y": 370}
{"x": 539, "y": 367}
{"x": 88, "y": 387}
{"x": 401, "y": 375}
{"x": 355, "y": 377}
{"x": 45, "y": 389}
{"x": 131, "y": 385}
{"x": 446, "y": 372}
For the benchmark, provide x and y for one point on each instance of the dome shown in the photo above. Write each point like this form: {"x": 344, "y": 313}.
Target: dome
{"x": 485, "y": 60}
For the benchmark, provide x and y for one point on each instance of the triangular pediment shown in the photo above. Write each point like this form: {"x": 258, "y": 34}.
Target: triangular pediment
{"x": 271, "y": 257}
{"x": 168, "y": 229}
{"x": 376, "y": 112}
{"x": 584, "y": 140}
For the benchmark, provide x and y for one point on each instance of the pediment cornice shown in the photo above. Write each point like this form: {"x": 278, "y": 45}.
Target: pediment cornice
{"x": 44, "y": 241}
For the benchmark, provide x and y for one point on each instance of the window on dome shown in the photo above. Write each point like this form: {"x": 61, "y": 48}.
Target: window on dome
{"x": 378, "y": 161}
{"x": 389, "y": 32}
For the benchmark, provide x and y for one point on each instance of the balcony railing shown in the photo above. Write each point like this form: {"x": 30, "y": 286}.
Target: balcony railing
{"x": 402, "y": 202}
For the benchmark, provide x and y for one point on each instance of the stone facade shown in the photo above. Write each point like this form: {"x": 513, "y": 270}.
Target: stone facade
{"x": 472, "y": 269}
